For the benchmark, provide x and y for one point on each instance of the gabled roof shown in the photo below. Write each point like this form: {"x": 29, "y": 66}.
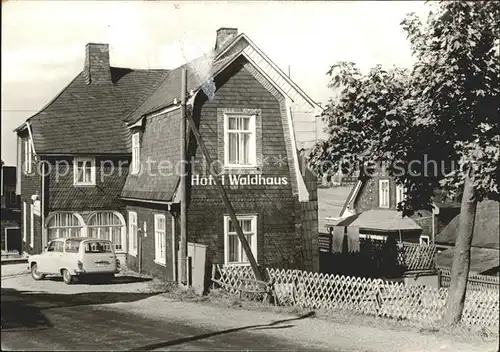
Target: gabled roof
{"x": 88, "y": 118}
{"x": 486, "y": 227}
{"x": 169, "y": 89}
{"x": 243, "y": 37}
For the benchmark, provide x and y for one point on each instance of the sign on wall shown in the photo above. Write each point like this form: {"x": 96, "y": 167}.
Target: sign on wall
{"x": 36, "y": 207}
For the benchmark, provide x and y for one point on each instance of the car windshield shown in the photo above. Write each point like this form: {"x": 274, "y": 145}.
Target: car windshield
{"x": 97, "y": 247}
{"x": 72, "y": 246}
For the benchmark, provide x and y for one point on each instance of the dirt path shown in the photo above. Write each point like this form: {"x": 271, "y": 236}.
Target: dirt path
{"x": 316, "y": 333}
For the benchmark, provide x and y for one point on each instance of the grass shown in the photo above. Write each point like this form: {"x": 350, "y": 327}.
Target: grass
{"x": 223, "y": 299}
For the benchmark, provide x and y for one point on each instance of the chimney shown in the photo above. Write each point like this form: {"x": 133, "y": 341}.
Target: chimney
{"x": 224, "y": 36}
{"x": 96, "y": 69}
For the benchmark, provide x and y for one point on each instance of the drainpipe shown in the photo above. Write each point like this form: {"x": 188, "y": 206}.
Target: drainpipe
{"x": 42, "y": 208}
{"x": 139, "y": 249}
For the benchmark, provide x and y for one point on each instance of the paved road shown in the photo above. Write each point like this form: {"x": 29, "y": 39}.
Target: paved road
{"x": 42, "y": 321}
{"x": 125, "y": 315}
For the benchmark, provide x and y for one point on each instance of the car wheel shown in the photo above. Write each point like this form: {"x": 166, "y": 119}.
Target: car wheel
{"x": 35, "y": 274}
{"x": 67, "y": 277}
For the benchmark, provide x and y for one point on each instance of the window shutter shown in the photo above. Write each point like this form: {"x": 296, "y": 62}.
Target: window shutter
{"x": 135, "y": 152}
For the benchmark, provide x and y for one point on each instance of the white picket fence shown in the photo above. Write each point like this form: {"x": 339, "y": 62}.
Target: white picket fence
{"x": 364, "y": 295}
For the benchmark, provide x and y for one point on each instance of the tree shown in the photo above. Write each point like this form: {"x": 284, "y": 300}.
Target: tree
{"x": 435, "y": 127}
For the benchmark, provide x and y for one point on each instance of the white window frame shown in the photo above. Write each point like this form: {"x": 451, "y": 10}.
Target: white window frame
{"x": 82, "y": 225}
{"x": 381, "y": 194}
{"x": 136, "y": 154}
{"x": 28, "y": 156}
{"x": 373, "y": 237}
{"x": 253, "y": 140}
{"x": 25, "y": 223}
{"x": 122, "y": 226}
{"x": 75, "y": 171}
{"x": 158, "y": 235}
{"x": 424, "y": 240}
{"x": 32, "y": 226}
{"x": 132, "y": 233}
{"x": 253, "y": 245}
{"x": 399, "y": 193}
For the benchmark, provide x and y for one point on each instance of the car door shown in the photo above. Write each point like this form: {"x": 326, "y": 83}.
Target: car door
{"x": 57, "y": 257}
{"x": 45, "y": 261}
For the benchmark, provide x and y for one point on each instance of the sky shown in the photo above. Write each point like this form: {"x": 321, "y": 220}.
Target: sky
{"x": 43, "y": 42}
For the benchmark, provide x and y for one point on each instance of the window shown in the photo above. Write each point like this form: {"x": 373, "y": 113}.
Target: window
{"x": 55, "y": 246}
{"x": 84, "y": 171}
{"x": 132, "y": 232}
{"x": 64, "y": 225}
{"x": 32, "y": 226}
{"x": 160, "y": 239}
{"x": 25, "y": 223}
{"x": 107, "y": 226}
{"x": 51, "y": 247}
{"x": 383, "y": 193}
{"x": 233, "y": 250}
{"x": 399, "y": 194}
{"x": 424, "y": 240}
{"x": 28, "y": 156}
{"x": 136, "y": 156}
{"x": 239, "y": 140}
{"x": 97, "y": 247}
{"x": 72, "y": 246}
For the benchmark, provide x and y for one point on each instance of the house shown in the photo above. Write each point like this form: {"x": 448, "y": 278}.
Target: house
{"x": 247, "y": 126}
{"x": 372, "y": 207}
{"x": 100, "y": 160}
{"x": 11, "y": 215}
{"x": 74, "y": 155}
{"x": 485, "y": 249}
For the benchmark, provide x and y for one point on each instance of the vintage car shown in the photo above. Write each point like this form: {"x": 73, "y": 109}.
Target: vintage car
{"x": 75, "y": 257}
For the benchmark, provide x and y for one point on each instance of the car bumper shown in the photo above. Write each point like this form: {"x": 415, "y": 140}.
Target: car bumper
{"x": 84, "y": 272}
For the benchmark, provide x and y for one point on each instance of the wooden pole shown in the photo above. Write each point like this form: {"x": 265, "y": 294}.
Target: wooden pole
{"x": 225, "y": 199}
{"x": 182, "y": 185}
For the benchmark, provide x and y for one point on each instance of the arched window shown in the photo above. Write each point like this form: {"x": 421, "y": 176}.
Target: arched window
{"x": 107, "y": 225}
{"x": 64, "y": 225}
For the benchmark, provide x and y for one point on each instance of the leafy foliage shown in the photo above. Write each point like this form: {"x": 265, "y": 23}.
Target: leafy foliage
{"x": 429, "y": 124}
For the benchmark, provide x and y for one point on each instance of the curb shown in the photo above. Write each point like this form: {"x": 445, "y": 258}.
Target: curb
{"x": 13, "y": 276}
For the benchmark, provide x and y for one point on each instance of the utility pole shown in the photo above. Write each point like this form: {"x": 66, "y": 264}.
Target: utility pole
{"x": 225, "y": 199}
{"x": 182, "y": 185}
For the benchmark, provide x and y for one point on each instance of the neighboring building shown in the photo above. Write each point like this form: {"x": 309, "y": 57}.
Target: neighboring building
{"x": 11, "y": 215}
{"x": 113, "y": 131}
{"x": 485, "y": 249}
{"x": 372, "y": 206}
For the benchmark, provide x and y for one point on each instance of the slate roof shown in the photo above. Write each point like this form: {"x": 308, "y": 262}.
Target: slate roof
{"x": 160, "y": 144}
{"x": 89, "y": 118}
{"x": 486, "y": 227}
